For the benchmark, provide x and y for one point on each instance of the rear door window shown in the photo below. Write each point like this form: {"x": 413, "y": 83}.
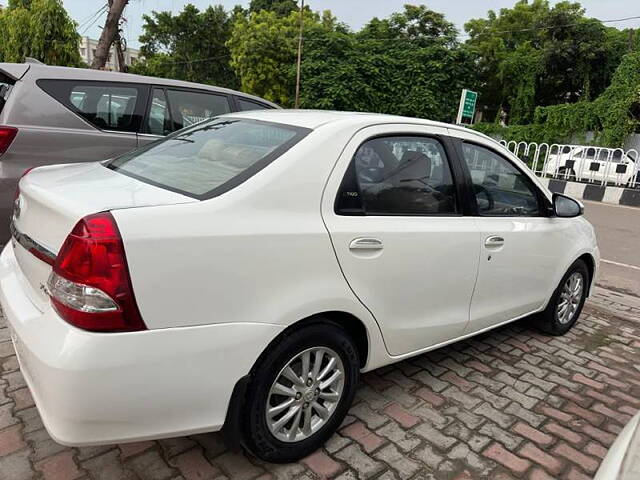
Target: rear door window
{"x": 189, "y": 107}
{"x": 398, "y": 175}
{"x": 106, "y": 105}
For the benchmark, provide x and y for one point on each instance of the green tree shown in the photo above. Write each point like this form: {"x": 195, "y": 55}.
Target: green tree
{"x": 263, "y": 49}
{"x": 612, "y": 116}
{"x": 40, "y": 29}
{"x": 279, "y": 7}
{"x": 561, "y": 55}
{"x": 409, "y": 64}
{"x": 416, "y": 23}
{"x": 189, "y": 46}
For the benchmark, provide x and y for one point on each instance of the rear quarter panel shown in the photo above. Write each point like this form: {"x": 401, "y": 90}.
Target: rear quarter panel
{"x": 258, "y": 253}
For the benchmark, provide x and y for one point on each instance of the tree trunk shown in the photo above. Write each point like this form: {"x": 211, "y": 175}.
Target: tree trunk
{"x": 109, "y": 32}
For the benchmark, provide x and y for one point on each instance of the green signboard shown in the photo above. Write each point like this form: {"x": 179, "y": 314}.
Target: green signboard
{"x": 467, "y": 108}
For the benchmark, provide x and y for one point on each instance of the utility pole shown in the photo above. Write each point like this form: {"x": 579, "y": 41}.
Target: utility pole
{"x": 109, "y": 33}
{"x": 297, "y": 103}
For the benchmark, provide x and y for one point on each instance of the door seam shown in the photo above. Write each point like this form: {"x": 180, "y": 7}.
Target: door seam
{"x": 333, "y": 247}
{"x": 475, "y": 283}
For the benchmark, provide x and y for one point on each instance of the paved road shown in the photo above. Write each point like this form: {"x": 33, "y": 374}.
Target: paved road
{"x": 510, "y": 404}
{"x": 618, "y": 231}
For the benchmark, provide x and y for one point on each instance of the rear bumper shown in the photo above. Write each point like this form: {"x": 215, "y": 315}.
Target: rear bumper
{"x": 102, "y": 388}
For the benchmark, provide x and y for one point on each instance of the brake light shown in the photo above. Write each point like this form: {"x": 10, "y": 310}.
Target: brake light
{"x": 7, "y": 134}
{"x": 90, "y": 286}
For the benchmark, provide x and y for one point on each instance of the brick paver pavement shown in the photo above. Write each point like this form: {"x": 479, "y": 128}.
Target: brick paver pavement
{"x": 508, "y": 404}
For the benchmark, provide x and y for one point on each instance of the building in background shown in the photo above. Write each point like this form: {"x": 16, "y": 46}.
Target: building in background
{"x": 88, "y": 50}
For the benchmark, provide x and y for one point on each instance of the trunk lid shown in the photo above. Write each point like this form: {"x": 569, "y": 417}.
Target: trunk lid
{"x": 53, "y": 199}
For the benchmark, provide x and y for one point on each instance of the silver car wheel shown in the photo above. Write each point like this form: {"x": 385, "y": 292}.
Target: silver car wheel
{"x": 305, "y": 394}
{"x": 570, "y": 298}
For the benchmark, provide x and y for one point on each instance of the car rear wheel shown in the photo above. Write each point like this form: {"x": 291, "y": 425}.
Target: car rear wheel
{"x": 300, "y": 390}
{"x": 567, "y": 301}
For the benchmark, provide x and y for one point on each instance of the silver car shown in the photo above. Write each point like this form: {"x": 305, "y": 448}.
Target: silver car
{"x": 51, "y": 115}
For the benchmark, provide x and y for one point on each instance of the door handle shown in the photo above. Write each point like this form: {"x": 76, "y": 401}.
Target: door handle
{"x": 365, "y": 244}
{"x": 494, "y": 242}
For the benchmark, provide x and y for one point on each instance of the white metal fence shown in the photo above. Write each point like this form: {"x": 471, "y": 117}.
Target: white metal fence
{"x": 580, "y": 163}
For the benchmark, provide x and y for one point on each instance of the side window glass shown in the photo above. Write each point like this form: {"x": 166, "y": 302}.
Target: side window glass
{"x": 616, "y": 157}
{"x": 500, "y": 188}
{"x": 603, "y": 155}
{"x": 188, "y": 108}
{"x": 159, "y": 119}
{"x": 107, "y": 107}
{"x": 246, "y": 105}
{"x": 402, "y": 175}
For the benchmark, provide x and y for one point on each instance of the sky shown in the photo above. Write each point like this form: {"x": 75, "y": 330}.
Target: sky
{"x": 354, "y": 13}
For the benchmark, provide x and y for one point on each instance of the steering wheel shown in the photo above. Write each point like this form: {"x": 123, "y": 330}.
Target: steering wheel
{"x": 422, "y": 180}
{"x": 490, "y": 202}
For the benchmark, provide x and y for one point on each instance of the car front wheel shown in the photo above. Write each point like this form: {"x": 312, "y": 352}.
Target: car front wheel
{"x": 301, "y": 388}
{"x": 567, "y": 301}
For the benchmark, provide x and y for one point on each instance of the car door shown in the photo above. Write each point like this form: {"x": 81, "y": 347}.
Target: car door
{"x": 522, "y": 247}
{"x": 171, "y": 109}
{"x": 395, "y": 216}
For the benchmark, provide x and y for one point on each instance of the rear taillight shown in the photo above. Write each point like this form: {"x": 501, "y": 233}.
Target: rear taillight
{"x": 7, "y": 134}
{"x": 90, "y": 286}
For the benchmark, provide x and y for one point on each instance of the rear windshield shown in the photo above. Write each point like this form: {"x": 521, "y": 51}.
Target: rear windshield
{"x": 210, "y": 158}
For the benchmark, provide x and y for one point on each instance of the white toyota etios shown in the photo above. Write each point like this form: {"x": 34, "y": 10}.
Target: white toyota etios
{"x": 242, "y": 272}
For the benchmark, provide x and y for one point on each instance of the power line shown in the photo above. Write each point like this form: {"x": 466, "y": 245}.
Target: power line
{"x": 95, "y": 18}
{"x": 92, "y": 16}
{"x": 86, "y": 19}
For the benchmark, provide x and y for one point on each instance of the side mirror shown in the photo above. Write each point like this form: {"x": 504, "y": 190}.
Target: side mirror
{"x": 566, "y": 207}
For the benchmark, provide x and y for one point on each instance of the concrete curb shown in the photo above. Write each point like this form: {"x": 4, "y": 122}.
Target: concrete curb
{"x": 595, "y": 193}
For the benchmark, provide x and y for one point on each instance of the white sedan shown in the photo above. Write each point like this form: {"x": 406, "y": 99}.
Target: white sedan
{"x": 623, "y": 459}
{"x": 593, "y": 164}
{"x": 242, "y": 272}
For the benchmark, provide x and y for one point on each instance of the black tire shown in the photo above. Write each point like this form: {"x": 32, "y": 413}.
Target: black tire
{"x": 257, "y": 437}
{"x": 548, "y": 321}
{"x": 571, "y": 177}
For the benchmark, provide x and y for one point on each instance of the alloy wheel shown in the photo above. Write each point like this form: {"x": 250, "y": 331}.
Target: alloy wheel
{"x": 570, "y": 298}
{"x": 305, "y": 394}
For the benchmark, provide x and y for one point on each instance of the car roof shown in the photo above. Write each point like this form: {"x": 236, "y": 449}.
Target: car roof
{"x": 315, "y": 119}
{"x": 69, "y": 73}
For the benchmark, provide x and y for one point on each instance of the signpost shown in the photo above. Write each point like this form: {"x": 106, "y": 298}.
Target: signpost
{"x": 467, "y": 107}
